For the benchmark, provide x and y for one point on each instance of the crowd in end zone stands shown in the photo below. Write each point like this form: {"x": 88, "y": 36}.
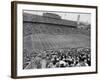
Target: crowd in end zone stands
{"x": 70, "y": 57}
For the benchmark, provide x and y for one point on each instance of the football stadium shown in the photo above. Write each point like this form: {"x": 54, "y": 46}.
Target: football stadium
{"x": 52, "y": 42}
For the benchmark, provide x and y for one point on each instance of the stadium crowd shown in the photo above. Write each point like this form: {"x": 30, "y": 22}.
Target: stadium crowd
{"x": 70, "y": 57}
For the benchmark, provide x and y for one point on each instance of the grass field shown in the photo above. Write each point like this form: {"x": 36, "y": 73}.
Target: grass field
{"x": 47, "y": 41}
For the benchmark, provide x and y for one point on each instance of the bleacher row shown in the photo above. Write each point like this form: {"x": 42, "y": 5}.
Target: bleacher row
{"x": 33, "y": 28}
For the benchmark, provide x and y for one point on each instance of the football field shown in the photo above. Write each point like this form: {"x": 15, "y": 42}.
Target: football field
{"x": 48, "y": 41}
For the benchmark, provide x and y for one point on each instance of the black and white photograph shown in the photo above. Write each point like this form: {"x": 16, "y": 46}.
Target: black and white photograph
{"x": 53, "y": 39}
{"x": 56, "y": 39}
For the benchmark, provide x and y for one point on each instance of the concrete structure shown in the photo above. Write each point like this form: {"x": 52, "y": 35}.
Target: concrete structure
{"x": 48, "y": 20}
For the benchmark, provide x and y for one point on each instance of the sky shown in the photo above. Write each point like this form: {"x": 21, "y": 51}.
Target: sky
{"x": 84, "y": 17}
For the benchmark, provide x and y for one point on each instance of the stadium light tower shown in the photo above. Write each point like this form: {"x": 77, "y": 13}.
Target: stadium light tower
{"x": 78, "y": 20}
